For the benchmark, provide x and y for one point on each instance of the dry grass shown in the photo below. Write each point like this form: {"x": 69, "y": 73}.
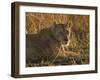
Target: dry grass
{"x": 38, "y": 21}
{"x": 79, "y": 40}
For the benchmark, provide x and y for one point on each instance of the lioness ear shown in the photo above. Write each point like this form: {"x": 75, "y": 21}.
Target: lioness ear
{"x": 54, "y": 24}
{"x": 53, "y": 27}
{"x": 69, "y": 24}
{"x": 66, "y": 24}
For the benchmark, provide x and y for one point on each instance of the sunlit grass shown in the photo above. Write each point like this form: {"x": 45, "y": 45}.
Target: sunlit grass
{"x": 79, "y": 40}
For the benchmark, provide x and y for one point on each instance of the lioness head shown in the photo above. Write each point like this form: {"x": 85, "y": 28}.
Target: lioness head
{"x": 61, "y": 32}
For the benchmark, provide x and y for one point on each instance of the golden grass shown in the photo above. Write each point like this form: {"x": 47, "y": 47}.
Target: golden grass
{"x": 79, "y": 40}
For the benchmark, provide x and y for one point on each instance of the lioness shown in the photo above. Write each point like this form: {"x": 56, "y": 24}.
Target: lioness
{"x": 46, "y": 45}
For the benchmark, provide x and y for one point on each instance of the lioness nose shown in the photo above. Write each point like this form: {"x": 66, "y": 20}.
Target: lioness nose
{"x": 65, "y": 39}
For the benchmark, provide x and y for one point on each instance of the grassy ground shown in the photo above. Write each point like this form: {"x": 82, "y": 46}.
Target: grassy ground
{"x": 79, "y": 40}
